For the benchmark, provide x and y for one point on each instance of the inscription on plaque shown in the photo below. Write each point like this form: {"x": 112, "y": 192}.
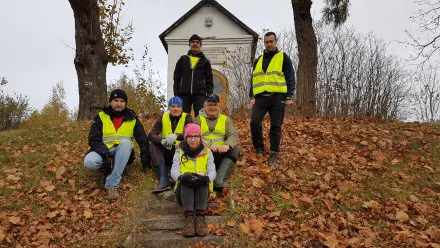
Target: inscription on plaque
{"x": 215, "y": 54}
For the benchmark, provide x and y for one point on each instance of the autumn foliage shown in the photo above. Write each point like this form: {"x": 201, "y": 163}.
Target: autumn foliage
{"x": 338, "y": 183}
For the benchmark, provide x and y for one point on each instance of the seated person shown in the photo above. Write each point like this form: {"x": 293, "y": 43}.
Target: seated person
{"x": 111, "y": 141}
{"x": 194, "y": 170}
{"x": 221, "y": 137}
{"x": 165, "y": 136}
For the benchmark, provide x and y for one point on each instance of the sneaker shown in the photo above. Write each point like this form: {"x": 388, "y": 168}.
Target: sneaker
{"x": 273, "y": 158}
{"x": 112, "y": 194}
{"x": 200, "y": 225}
{"x": 260, "y": 152}
{"x": 189, "y": 225}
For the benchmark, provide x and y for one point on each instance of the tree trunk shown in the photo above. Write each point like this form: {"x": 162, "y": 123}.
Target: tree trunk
{"x": 307, "y": 57}
{"x": 90, "y": 59}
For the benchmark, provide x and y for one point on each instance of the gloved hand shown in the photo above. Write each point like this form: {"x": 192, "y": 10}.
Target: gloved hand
{"x": 202, "y": 180}
{"x": 169, "y": 140}
{"x": 107, "y": 164}
{"x": 189, "y": 179}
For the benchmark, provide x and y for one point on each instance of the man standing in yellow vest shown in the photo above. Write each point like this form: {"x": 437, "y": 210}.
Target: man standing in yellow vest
{"x": 165, "y": 137}
{"x": 111, "y": 141}
{"x": 221, "y": 137}
{"x": 272, "y": 89}
{"x": 193, "y": 77}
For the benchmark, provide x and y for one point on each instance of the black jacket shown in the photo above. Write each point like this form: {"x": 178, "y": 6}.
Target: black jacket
{"x": 97, "y": 145}
{"x": 188, "y": 82}
{"x": 289, "y": 72}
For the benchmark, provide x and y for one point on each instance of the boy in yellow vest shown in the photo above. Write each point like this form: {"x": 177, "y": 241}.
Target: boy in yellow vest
{"x": 111, "y": 141}
{"x": 221, "y": 137}
{"x": 165, "y": 136}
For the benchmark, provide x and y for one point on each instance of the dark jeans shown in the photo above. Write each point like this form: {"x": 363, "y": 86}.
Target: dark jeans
{"x": 196, "y": 101}
{"x": 192, "y": 199}
{"x": 274, "y": 104}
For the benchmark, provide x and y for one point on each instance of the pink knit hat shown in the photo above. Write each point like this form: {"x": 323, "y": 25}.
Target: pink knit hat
{"x": 192, "y": 128}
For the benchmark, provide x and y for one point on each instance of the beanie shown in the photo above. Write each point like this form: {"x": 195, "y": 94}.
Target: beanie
{"x": 176, "y": 101}
{"x": 195, "y": 37}
{"x": 192, "y": 128}
{"x": 118, "y": 93}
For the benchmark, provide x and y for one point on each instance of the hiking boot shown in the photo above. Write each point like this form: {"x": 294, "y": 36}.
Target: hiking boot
{"x": 273, "y": 158}
{"x": 189, "y": 225}
{"x": 201, "y": 227}
{"x": 159, "y": 188}
{"x": 112, "y": 194}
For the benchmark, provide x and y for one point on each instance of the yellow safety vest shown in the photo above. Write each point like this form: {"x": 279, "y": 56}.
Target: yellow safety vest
{"x": 109, "y": 135}
{"x": 218, "y": 135}
{"x": 201, "y": 165}
{"x": 273, "y": 79}
{"x": 194, "y": 60}
{"x": 167, "y": 129}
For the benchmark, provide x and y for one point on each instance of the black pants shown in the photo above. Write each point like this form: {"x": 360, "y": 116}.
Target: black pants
{"x": 274, "y": 104}
{"x": 192, "y": 199}
{"x": 196, "y": 101}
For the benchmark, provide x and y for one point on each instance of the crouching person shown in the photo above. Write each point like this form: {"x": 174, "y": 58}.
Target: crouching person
{"x": 194, "y": 170}
{"x": 165, "y": 136}
{"x": 111, "y": 141}
{"x": 220, "y": 136}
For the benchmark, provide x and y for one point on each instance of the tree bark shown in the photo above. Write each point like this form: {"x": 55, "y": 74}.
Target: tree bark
{"x": 307, "y": 57}
{"x": 90, "y": 59}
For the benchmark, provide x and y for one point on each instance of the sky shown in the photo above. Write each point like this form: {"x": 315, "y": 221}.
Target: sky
{"x": 38, "y": 37}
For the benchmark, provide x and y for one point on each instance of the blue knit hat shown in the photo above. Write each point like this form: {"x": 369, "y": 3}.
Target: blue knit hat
{"x": 175, "y": 100}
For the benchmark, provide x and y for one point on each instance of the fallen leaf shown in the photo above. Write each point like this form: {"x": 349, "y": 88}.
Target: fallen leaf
{"x": 306, "y": 199}
{"x": 401, "y": 216}
{"x": 413, "y": 198}
{"x": 2, "y": 235}
{"x": 13, "y": 178}
{"x": 49, "y": 188}
{"x": 257, "y": 182}
{"x": 88, "y": 214}
{"x": 244, "y": 228}
{"x": 285, "y": 196}
{"x": 231, "y": 223}
{"x": 14, "y": 220}
{"x": 59, "y": 173}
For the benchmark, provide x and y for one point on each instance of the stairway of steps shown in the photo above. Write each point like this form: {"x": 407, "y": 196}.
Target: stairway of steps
{"x": 161, "y": 224}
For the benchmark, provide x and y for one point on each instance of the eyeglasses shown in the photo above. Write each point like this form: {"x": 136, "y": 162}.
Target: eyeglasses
{"x": 193, "y": 137}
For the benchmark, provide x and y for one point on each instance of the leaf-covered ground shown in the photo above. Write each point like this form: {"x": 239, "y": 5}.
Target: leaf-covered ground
{"x": 338, "y": 183}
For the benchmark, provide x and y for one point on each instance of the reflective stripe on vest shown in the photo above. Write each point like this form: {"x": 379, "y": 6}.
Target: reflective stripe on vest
{"x": 218, "y": 135}
{"x": 109, "y": 135}
{"x": 200, "y": 166}
{"x": 273, "y": 79}
{"x": 167, "y": 129}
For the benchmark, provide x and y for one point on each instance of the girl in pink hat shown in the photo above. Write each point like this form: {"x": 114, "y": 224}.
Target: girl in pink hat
{"x": 194, "y": 171}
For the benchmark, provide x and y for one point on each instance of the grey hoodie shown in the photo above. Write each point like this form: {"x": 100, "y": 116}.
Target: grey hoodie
{"x": 231, "y": 133}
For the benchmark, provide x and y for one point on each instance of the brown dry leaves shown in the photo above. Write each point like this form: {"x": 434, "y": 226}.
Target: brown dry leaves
{"x": 341, "y": 182}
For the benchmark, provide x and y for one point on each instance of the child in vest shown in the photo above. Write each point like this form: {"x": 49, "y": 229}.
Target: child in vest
{"x": 194, "y": 170}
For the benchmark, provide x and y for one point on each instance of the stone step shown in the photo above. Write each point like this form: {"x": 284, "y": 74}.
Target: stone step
{"x": 164, "y": 208}
{"x": 174, "y": 222}
{"x": 172, "y": 239}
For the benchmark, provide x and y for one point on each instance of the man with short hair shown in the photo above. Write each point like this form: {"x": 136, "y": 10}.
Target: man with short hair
{"x": 221, "y": 137}
{"x": 111, "y": 141}
{"x": 165, "y": 136}
{"x": 193, "y": 78}
{"x": 272, "y": 89}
